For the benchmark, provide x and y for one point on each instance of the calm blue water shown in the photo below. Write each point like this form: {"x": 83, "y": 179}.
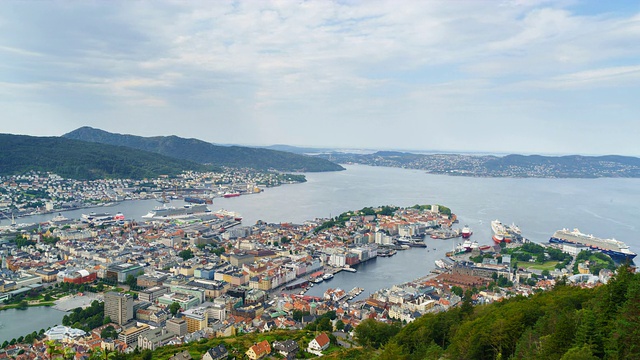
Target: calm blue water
{"x": 603, "y": 207}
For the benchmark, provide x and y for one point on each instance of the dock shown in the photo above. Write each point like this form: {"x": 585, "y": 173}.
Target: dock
{"x": 354, "y": 292}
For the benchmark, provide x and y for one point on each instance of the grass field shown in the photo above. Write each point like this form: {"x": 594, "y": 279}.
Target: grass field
{"x": 547, "y": 265}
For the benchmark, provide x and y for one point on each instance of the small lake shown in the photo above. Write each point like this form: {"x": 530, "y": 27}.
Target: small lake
{"x": 15, "y": 323}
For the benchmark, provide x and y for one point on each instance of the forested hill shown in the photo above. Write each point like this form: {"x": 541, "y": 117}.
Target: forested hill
{"x": 570, "y": 166}
{"x": 567, "y": 322}
{"x": 84, "y": 160}
{"x": 206, "y": 153}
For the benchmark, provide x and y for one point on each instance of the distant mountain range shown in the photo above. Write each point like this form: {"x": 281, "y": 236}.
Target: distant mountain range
{"x": 572, "y": 166}
{"x": 206, "y": 153}
{"x": 82, "y": 160}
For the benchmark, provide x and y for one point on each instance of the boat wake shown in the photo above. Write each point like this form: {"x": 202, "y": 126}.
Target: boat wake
{"x": 598, "y": 216}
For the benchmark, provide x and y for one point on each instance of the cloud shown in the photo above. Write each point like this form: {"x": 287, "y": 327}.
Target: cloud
{"x": 279, "y": 64}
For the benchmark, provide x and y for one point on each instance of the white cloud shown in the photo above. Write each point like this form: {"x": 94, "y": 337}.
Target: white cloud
{"x": 279, "y": 63}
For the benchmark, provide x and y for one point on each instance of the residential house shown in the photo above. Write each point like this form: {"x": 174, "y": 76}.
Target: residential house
{"x": 184, "y": 355}
{"x": 321, "y": 342}
{"x": 216, "y": 353}
{"x": 288, "y": 348}
{"x": 259, "y": 350}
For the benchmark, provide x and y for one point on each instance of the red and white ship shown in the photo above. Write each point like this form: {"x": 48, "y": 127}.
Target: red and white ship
{"x": 505, "y": 233}
{"x": 466, "y": 232}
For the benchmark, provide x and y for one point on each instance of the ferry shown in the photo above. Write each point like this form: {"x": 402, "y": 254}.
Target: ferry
{"x": 327, "y": 276}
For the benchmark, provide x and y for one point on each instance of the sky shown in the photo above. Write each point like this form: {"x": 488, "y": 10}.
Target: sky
{"x": 521, "y": 76}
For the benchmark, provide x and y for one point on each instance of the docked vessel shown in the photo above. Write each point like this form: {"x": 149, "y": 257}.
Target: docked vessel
{"x": 197, "y": 200}
{"x": 327, "y": 276}
{"x": 98, "y": 219}
{"x": 226, "y": 213}
{"x": 119, "y": 218}
{"x": 505, "y": 233}
{"x": 59, "y": 218}
{"x": 230, "y": 195}
{"x": 171, "y": 212}
{"x": 466, "y": 232}
{"x": 612, "y": 247}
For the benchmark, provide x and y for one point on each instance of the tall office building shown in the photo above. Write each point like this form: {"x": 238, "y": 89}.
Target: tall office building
{"x": 119, "y": 307}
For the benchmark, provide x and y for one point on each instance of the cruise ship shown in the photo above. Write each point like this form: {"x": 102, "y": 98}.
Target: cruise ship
{"x": 612, "y": 247}
{"x": 170, "y": 212}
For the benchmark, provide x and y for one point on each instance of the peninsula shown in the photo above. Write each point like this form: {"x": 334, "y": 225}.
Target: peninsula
{"x": 536, "y": 166}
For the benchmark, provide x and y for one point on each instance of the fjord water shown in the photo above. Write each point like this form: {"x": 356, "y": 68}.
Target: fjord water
{"x": 603, "y": 207}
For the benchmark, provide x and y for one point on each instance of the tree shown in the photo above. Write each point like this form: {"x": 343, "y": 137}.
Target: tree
{"x": 374, "y": 333}
{"x": 131, "y": 281}
{"x": 174, "y": 308}
{"x": 47, "y": 297}
{"x": 109, "y": 333}
{"x": 457, "y": 290}
{"x": 52, "y": 348}
{"x": 339, "y": 325}
{"x": 546, "y": 273}
{"x": 186, "y": 254}
{"x": 324, "y": 325}
{"x": 22, "y": 305}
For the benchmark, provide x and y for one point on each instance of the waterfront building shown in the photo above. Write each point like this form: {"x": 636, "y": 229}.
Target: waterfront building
{"x": 573, "y": 249}
{"x": 119, "y": 307}
{"x": 177, "y": 326}
{"x": 382, "y": 238}
{"x": 64, "y": 333}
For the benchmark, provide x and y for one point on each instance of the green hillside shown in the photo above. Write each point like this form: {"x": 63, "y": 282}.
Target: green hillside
{"x": 84, "y": 160}
{"x": 206, "y": 153}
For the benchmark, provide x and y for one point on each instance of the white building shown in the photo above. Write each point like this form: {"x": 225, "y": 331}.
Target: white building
{"x": 64, "y": 333}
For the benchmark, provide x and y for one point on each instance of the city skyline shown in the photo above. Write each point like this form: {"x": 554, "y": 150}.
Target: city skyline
{"x": 491, "y": 77}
